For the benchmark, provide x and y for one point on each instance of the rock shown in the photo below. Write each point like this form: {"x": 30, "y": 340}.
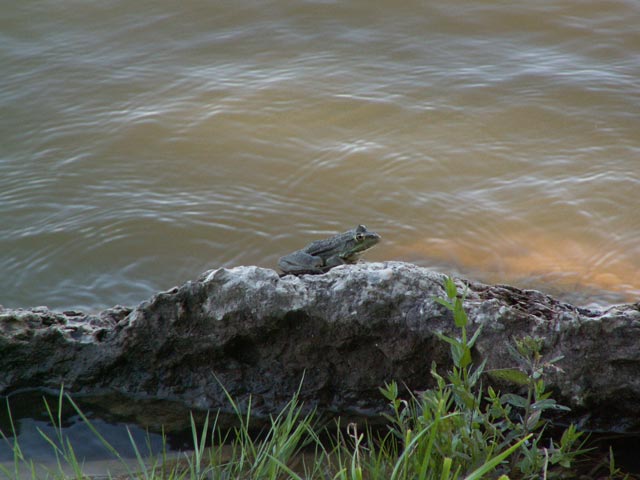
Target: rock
{"x": 347, "y": 332}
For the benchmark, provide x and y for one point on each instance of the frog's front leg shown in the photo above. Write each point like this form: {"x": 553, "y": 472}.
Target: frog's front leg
{"x": 334, "y": 261}
{"x": 299, "y": 263}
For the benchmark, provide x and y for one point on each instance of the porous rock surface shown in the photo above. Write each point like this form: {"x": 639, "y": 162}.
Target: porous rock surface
{"x": 348, "y": 332}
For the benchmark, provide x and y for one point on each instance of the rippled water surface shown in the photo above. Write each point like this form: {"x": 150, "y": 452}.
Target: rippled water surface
{"x": 124, "y": 426}
{"x": 142, "y": 143}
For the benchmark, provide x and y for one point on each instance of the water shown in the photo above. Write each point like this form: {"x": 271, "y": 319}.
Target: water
{"x": 125, "y": 426}
{"x": 142, "y": 143}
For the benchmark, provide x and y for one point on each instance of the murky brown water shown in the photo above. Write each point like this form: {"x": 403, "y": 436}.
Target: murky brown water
{"x": 144, "y": 142}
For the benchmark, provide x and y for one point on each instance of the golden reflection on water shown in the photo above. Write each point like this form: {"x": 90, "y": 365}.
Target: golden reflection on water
{"x": 549, "y": 261}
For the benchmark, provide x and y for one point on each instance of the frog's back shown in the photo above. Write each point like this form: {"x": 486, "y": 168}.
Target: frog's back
{"x": 335, "y": 242}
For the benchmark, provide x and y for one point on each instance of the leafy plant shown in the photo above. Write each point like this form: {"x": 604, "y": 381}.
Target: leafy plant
{"x": 521, "y": 414}
{"x": 460, "y": 427}
{"x": 510, "y": 416}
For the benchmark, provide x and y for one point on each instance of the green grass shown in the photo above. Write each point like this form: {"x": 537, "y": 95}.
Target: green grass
{"x": 457, "y": 430}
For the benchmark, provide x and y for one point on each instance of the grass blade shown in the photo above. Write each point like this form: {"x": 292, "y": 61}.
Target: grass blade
{"x": 493, "y": 463}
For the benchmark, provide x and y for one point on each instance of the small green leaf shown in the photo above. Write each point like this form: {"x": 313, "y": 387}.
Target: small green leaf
{"x": 457, "y": 352}
{"x": 545, "y": 404}
{"x": 390, "y": 391}
{"x": 450, "y": 288}
{"x": 475, "y": 335}
{"x": 459, "y": 315}
{"x": 566, "y": 462}
{"x": 465, "y": 359}
{"x": 475, "y": 376}
{"x": 511, "y": 375}
{"x": 533, "y": 420}
{"x": 513, "y": 399}
{"x": 555, "y": 359}
{"x": 447, "y": 339}
{"x": 444, "y": 303}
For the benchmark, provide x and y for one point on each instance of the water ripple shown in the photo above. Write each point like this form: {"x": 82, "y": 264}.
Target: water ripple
{"x": 142, "y": 144}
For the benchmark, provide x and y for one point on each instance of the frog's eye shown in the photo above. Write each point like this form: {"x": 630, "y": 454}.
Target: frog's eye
{"x": 359, "y": 237}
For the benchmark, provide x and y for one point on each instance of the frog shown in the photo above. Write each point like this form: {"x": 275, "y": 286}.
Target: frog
{"x": 322, "y": 255}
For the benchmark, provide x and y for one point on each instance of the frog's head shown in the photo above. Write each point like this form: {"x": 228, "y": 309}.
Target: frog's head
{"x": 360, "y": 241}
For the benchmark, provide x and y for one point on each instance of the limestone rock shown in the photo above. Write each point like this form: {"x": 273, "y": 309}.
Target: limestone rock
{"x": 348, "y": 332}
